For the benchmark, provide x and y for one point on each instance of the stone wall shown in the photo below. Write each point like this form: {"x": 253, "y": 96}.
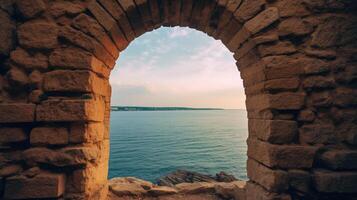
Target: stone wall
{"x": 297, "y": 59}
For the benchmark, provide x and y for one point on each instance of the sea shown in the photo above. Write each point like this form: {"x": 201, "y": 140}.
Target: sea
{"x": 151, "y": 144}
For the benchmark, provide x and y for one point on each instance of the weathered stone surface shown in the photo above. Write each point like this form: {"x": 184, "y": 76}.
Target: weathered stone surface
{"x": 318, "y": 82}
{"x": 44, "y": 185}
{"x": 339, "y": 159}
{"x": 294, "y": 27}
{"x": 70, "y": 110}
{"x": 129, "y": 186}
{"x": 74, "y": 81}
{"x": 288, "y": 8}
{"x": 272, "y": 180}
{"x": 345, "y": 97}
{"x": 280, "y": 48}
{"x": 74, "y": 58}
{"x": 91, "y": 27}
{"x": 273, "y": 131}
{"x": 317, "y": 134}
{"x": 10, "y": 170}
{"x": 162, "y": 190}
{"x": 16, "y": 113}
{"x": 58, "y": 9}
{"x": 262, "y": 20}
{"x": 255, "y": 191}
{"x": 82, "y": 132}
{"x": 287, "y": 101}
{"x": 282, "y": 84}
{"x": 7, "y": 34}
{"x": 300, "y": 180}
{"x": 335, "y": 182}
{"x": 35, "y": 79}
{"x": 235, "y": 190}
{"x": 194, "y": 188}
{"x": 23, "y": 58}
{"x": 323, "y": 37}
{"x": 39, "y": 35}
{"x": 12, "y": 135}
{"x": 248, "y": 9}
{"x": 17, "y": 78}
{"x": 49, "y": 136}
{"x": 31, "y": 8}
{"x": 66, "y": 157}
{"x": 283, "y": 156}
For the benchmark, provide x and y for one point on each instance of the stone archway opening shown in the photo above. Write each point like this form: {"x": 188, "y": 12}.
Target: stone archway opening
{"x": 299, "y": 78}
{"x": 173, "y": 68}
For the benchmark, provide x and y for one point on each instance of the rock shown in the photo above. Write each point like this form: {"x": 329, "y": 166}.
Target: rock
{"x": 335, "y": 182}
{"x": 7, "y": 34}
{"x": 44, "y": 185}
{"x": 280, "y": 48}
{"x": 262, "y": 20}
{"x": 339, "y": 159}
{"x": 300, "y": 180}
{"x": 129, "y": 186}
{"x": 232, "y": 190}
{"x": 10, "y": 170}
{"x": 49, "y": 136}
{"x": 58, "y": 9}
{"x": 317, "y": 134}
{"x": 35, "y": 61}
{"x": 16, "y": 113}
{"x": 249, "y": 9}
{"x": 31, "y": 8}
{"x": 38, "y": 35}
{"x": 294, "y": 27}
{"x": 162, "y": 190}
{"x": 183, "y": 176}
{"x": 12, "y": 135}
{"x": 17, "y": 78}
{"x": 194, "y": 188}
{"x": 36, "y": 96}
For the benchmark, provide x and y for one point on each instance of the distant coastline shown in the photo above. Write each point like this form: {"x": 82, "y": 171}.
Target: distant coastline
{"x": 143, "y": 108}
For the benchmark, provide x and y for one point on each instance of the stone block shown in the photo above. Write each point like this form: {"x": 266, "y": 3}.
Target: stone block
{"x": 31, "y": 8}
{"x": 109, "y": 24}
{"x": 306, "y": 116}
{"x": 38, "y": 35}
{"x": 91, "y": 27}
{"x": 248, "y": 9}
{"x": 90, "y": 44}
{"x": 86, "y": 132}
{"x": 12, "y": 135}
{"x": 283, "y": 84}
{"x": 318, "y": 82}
{"x": 345, "y": 97}
{"x": 74, "y": 81}
{"x": 294, "y": 27}
{"x": 43, "y": 136}
{"x": 280, "y": 101}
{"x": 7, "y": 34}
{"x": 10, "y": 170}
{"x": 74, "y": 58}
{"x": 272, "y": 180}
{"x": 273, "y": 131}
{"x": 300, "y": 180}
{"x": 255, "y": 191}
{"x": 59, "y": 9}
{"x": 44, "y": 185}
{"x": 282, "y": 156}
{"x": 23, "y": 58}
{"x": 335, "y": 182}
{"x": 317, "y": 134}
{"x": 262, "y": 20}
{"x": 290, "y": 8}
{"x": 70, "y": 110}
{"x": 337, "y": 159}
{"x": 279, "y": 48}
{"x": 17, "y": 113}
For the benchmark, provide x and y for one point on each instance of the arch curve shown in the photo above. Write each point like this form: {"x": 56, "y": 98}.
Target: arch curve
{"x": 296, "y": 58}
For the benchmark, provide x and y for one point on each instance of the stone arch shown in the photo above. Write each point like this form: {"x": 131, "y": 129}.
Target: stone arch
{"x": 296, "y": 57}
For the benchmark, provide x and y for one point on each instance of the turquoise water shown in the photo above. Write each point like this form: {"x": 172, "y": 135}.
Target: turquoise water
{"x": 149, "y": 144}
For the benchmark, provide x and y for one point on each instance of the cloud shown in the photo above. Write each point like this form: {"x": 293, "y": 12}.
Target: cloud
{"x": 168, "y": 72}
{"x": 176, "y": 32}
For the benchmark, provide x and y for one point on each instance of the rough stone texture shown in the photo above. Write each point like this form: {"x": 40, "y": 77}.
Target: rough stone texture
{"x": 7, "y": 34}
{"x": 38, "y": 35}
{"x": 15, "y": 113}
{"x": 12, "y": 135}
{"x": 49, "y": 136}
{"x": 296, "y": 57}
{"x": 44, "y": 185}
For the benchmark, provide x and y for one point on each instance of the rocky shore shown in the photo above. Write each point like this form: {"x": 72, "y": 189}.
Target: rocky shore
{"x": 179, "y": 185}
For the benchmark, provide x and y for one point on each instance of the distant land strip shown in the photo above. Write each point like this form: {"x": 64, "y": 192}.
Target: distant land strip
{"x": 141, "y": 108}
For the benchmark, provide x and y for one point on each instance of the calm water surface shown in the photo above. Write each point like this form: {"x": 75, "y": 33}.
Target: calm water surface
{"x": 149, "y": 144}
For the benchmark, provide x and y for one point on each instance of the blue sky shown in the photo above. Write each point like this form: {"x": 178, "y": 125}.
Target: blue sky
{"x": 177, "y": 67}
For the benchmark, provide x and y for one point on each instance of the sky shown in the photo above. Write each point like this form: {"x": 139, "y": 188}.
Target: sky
{"x": 177, "y": 67}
